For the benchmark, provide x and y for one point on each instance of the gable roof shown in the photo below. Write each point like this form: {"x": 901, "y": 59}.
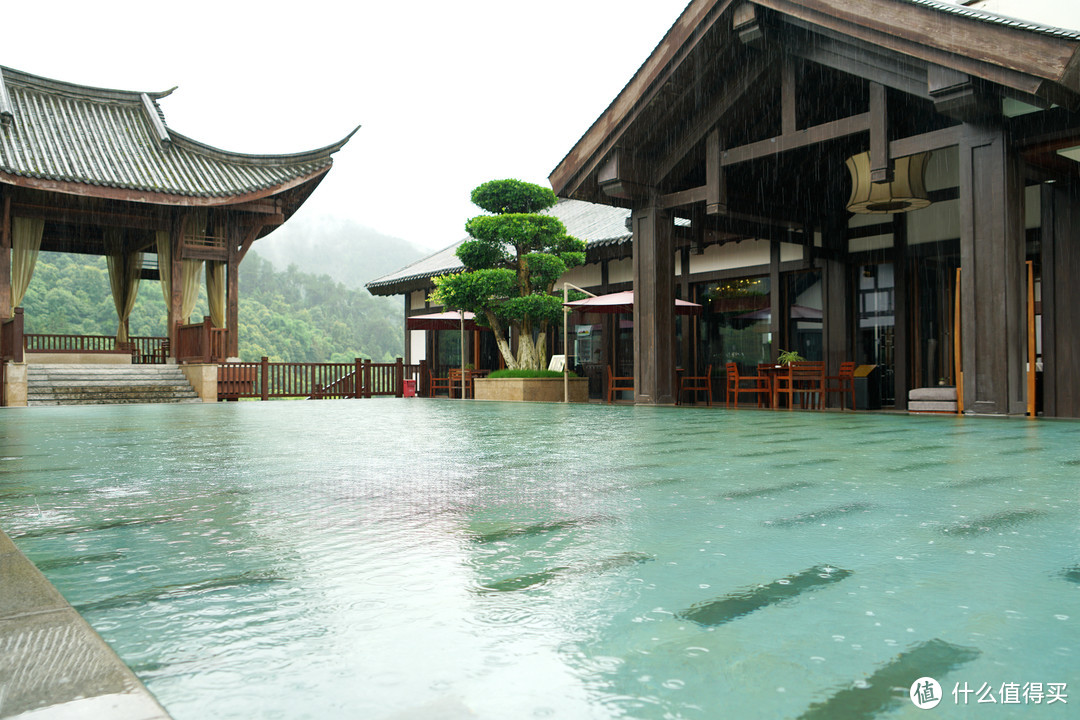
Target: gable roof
{"x": 1027, "y": 60}
{"x": 597, "y": 225}
{"x": 115, "y": 144}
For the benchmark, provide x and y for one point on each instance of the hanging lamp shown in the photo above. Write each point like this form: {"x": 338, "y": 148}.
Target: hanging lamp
{"x": 907, "y": 191}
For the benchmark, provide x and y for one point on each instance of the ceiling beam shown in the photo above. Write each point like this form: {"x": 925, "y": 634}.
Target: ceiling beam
{"x": 811, "y": 136}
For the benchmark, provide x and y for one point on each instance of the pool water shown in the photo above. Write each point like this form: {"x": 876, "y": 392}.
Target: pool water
{"x": 434, "y": 559}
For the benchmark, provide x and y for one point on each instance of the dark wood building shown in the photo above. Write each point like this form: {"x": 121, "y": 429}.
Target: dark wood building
{"x": 872, "y": 149}
{"x": 98, "y": 171}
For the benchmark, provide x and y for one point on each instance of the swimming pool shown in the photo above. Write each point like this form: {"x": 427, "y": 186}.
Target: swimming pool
{"x": 426, "y": 558}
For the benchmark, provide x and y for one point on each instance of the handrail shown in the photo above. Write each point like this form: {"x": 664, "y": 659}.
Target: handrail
{"x": 143, "y": 349}
{"x": 265, "y": 380}
{"x": 12, "y": 339}
{"x": 201, "y": 343}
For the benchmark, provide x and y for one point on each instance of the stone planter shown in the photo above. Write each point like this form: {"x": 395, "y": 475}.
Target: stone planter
{"x": 530, "y": 389}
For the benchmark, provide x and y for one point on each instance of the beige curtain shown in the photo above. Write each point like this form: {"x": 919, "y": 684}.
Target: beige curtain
{"x": 215, "y": 292}
{"x": 25, "y": 244}
{"x": 190, "y": 270}
{"x": 125, "y": 270}
{"x": 164, "y": 263}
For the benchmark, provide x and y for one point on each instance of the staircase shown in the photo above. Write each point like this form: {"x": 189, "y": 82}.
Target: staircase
{"x": 107, "y": 384}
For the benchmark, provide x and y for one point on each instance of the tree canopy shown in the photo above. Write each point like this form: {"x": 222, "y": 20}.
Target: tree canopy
{"x": 512, "y": 260}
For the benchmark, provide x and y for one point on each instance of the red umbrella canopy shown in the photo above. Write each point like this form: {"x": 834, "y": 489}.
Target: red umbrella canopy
{"x": 623, "y": 302}
{"x": 442, "y": 321}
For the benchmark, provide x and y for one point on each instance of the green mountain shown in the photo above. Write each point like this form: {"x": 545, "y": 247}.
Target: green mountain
{"x": 348, "y": 252}
{"x": 288, "y": 316}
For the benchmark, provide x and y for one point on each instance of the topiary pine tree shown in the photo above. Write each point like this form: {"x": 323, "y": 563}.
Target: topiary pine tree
{"x": 512, "y": 260}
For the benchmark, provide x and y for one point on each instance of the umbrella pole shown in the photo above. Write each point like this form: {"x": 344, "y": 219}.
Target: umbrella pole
{"x": 565, "y": 347}
{"x": 462, "y": 314}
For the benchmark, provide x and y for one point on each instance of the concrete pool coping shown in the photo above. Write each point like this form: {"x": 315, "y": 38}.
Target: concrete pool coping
{"x": 53, "y": 665}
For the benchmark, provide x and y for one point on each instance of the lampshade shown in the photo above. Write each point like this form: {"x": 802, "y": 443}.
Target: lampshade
{"x": 906, "y": 192}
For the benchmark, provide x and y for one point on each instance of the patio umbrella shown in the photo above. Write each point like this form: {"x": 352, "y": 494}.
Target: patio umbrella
{"x": 623, "y": 302}
{"x": 443, "y": 321}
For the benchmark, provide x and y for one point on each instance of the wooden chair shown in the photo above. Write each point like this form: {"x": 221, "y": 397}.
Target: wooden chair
{"x": 438, "y": 383}
{"x": 696, "y": 384}
{"x": 805, "y": 379}
{"x": 616, "y": 383}
{"x": 845, "y": 383}
{"x": 461, "y": 381}
{"x": 735, "y": 385}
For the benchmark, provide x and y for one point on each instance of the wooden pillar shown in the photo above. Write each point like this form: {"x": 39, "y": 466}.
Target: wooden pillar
{"x": 992, "y": 250}
{"x": 232, "y": 292}
{"x": 689, "y": 360}
{"x": 836, "y": 276}
{"x": 902, "y": 320}
{"x": 176, "y": 244}
{"x": 654, "y": 306}
{"x": 405, "y": 330}
{"x": 5, "y": 256}
{"x": 1060, "y": 299}
{"x": 776, "y": 303}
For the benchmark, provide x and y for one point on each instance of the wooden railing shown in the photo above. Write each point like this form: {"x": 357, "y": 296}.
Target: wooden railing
{"x": 201, "y": 343}
{"x": 11, "y": 347}
{"x": 265, "y": 380}
{"x": 11, "y": 338}
{"x": 143, "y": 349}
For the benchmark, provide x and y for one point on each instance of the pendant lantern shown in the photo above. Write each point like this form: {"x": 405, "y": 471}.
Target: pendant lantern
{"x": 907, "y": 191}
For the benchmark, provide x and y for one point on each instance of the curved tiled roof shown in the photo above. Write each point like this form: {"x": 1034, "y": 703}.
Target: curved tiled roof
{"x": 597, "y": 225}
{"x": 117, "y": 139}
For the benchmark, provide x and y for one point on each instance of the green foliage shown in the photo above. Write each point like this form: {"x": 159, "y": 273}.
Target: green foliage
{"x": 789, "y": 356}
{"x": 287, "y": 316}
{"x": 512, "y": 196}
{"x": 512, "y": 262}
{"x": 478, "y": 255}
{"x": 527, "y": 374}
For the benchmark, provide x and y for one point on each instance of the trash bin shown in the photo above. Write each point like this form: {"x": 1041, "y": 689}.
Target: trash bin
{"x": 867, "y": 387}
{"x": 410, "y": 388}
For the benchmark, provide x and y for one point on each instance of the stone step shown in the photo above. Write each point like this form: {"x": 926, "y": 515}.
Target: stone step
{"x": 107, "y": 384}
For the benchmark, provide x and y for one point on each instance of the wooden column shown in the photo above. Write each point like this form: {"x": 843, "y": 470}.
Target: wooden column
{"x": 176, "y": 243}
{"x": 405, "y": 329}
{"x": 232, "y": 291}
{"x": 777, "y": 326}
{"x": 1060, "y": 299}
{"x": 992, "y": 252}
{"x": 5, "y": 256}
{"x": 902, "y": 320}
{"x": 689, "y": 360}
{"x": 654, "y": 306}
{"x": 837, "y": 315}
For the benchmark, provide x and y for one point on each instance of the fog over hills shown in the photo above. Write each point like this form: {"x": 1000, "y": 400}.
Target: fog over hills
{"x": 350, "y": 253}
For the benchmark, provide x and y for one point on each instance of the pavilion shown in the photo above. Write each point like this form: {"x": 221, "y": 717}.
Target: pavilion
{"x": 98, "y": 171}
{"x": 902, "y": 166}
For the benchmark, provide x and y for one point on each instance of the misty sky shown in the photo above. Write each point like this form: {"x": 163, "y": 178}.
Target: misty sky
{"x": 448, "y": 94}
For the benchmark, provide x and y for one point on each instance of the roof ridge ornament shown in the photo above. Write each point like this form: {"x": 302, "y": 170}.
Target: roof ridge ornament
{"x": 7, "y": 111}
{"x": 156, "y": 120}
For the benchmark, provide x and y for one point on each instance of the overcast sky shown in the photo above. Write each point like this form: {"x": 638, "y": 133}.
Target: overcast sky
{"x": 448, "y": 94}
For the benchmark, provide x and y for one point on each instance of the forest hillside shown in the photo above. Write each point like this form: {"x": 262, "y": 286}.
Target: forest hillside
{"x": 287, "y": 315}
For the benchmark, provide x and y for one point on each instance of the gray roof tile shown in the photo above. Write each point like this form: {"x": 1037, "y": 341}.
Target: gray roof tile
{"x": 597, "y": 225}
{"x": 117, "y": 139}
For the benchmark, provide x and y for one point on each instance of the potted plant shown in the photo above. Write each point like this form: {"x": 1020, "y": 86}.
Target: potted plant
{"x": 787, "y": 357}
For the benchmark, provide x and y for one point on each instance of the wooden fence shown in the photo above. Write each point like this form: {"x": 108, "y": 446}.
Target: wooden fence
{"x": 143, "y": 349}
{"x": 359, "y": 379}
{"x": 201, "y": 343}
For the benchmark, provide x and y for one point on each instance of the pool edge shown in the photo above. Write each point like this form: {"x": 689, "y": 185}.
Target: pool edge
{"x": 54, "y": 665}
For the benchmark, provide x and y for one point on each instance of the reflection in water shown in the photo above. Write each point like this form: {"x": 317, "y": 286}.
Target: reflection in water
{"x": 500, "y": 560}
